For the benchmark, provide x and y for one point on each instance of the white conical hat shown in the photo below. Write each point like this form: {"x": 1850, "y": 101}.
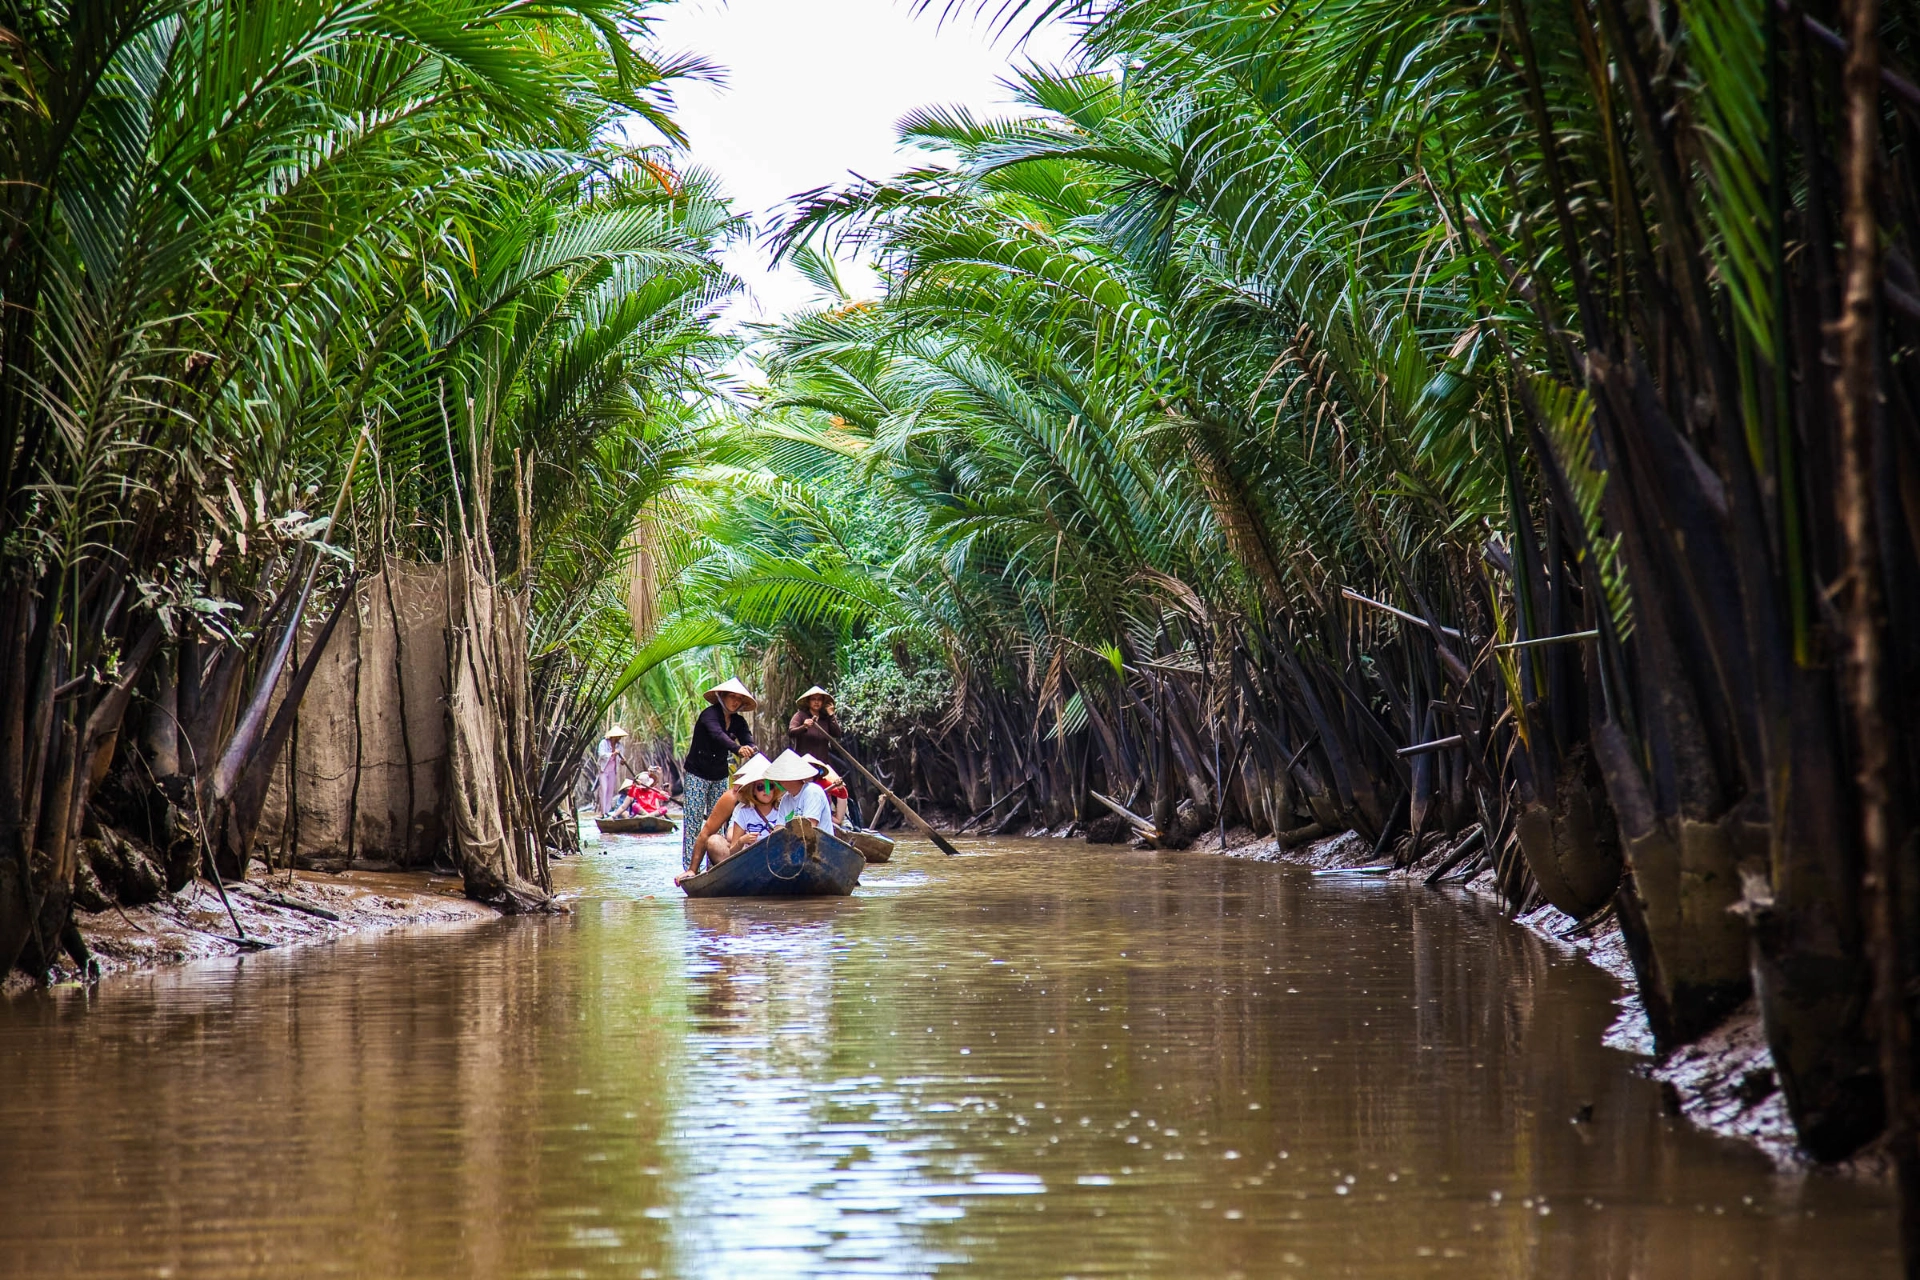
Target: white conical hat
{"x": 816, "y": 691}
{"x": 826, "y": 770}
{"x": 789, "y": 767}
{"x": 751, "y": 772}
{"x": 733, "y": 686}
{"x": 616, "y": 732}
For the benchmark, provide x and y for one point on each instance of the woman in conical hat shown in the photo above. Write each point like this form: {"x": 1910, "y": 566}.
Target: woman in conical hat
{"x": 719, "y": 734}
{"x": 613, "y": 767}
{"x": 744, "y": 701}
{"x": 808, "y": 729}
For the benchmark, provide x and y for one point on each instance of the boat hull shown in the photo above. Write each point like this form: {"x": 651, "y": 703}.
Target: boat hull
{"x": 783, "y": 866}
{"x": 873, "y": 846}
{"x": 646, "y": 824}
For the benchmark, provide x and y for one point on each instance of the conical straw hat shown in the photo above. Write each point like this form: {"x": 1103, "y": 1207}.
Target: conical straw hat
{"x": 751, "y": 772}
{"x": 733, "y": 686}
{"x": 826, "y": 770}
{"x": 789, "y": 767}
{"x": 616, "y": 732}
{"x": 813, "y": 692}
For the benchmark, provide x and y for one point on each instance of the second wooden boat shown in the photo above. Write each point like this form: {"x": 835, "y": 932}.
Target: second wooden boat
{"x": 645, "y": 824}
{"x": 873, "y": 846}
{"x": 794, "y": 862}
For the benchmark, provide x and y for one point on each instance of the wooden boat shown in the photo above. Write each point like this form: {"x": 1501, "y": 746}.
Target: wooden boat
{"x": 644, "y": 825}
{"x": 873, "y": 846}
{"x": 798, "y": 861}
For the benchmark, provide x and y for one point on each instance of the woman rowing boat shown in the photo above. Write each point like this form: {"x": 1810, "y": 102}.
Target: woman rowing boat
{"x": 613, "y": 767}
{"x": 719, "y": 734}
{"x": 808, "y": 729}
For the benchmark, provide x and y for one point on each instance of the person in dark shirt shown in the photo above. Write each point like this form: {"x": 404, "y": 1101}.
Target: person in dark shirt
{"x": 808, "y": 729}
{"x": 719, "y": 734}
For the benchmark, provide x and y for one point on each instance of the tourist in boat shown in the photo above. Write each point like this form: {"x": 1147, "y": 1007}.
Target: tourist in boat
{"x": 809, "y": 729}
{"x": 834, "y": 785}
{"x": 804, "y": 798}
{"x": 719, "y": 734}
{"x": 648, "y": 797}
{"x": 742, "y": 816}
{"x": 640, "y": 798}
{"x": 613, "y": 767}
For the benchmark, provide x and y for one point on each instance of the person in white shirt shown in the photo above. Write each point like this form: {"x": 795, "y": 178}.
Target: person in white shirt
{"x": 804, "y": 798}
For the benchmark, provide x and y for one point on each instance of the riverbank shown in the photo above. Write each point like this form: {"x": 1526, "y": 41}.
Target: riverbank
{"x": 1724, "y": 1084}
{"x": 276, "y": 910}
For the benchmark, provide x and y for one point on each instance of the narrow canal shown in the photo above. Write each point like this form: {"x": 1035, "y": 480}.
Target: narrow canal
{"x": 1041, "y": 1062}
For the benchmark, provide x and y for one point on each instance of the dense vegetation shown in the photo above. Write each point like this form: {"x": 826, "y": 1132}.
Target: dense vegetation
{"x": 292, "y": 291}
{"x": 1491, "y": 425}
{"x": 1494, "y": 420}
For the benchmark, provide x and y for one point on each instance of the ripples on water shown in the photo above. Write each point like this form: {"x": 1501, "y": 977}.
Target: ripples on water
{"x": 1045, "y": 1061}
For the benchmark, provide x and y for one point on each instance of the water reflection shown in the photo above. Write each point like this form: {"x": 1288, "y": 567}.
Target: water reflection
{"x": 1041, "y": 1062}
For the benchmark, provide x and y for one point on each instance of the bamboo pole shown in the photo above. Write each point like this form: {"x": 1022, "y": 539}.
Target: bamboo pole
{"x": 1571, "y": 635}
{"x": 1402, "y": 614}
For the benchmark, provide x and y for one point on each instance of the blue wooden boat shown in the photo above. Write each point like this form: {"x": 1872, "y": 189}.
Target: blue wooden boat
{"x": 798, "y": 861}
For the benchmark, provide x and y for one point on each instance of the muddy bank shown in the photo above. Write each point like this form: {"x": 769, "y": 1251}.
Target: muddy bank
{"x": 278, "y": 910}
{"x": 1725, "y": 1083}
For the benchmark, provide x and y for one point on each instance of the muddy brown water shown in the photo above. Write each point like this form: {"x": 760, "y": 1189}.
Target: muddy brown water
{"x": 1042, "y": 1061}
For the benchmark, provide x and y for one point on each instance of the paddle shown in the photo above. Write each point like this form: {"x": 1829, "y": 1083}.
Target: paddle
{"x": 902, "y": 805}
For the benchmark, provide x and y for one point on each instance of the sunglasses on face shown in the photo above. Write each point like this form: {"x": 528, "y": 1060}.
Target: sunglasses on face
{"x": 765, "y": 788}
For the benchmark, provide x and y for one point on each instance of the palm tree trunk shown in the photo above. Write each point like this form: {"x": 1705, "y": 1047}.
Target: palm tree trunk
{"x": 1862, "y": 609}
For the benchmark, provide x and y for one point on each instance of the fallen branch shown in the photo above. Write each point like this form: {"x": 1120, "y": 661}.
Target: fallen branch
{"x": 282, "y": 900}
{"x": 1461, "y": 853}
{"x": 1299, "y": 835}
{"x": 1581, "y": 928}
{"x": 1012, "y": 820}
{"x": 982, "y": 815}
{"x": 1438, "y": 744}
{"x": 1479, "y": 864}
{"x": 1139, "y": 823}
{"x": 1295, "y": 757}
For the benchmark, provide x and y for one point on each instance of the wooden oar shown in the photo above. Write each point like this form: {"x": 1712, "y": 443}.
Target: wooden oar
{"x": 918, "y": 821}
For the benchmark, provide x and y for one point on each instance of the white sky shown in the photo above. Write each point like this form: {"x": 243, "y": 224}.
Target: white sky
{"x": 813, "y": 90}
